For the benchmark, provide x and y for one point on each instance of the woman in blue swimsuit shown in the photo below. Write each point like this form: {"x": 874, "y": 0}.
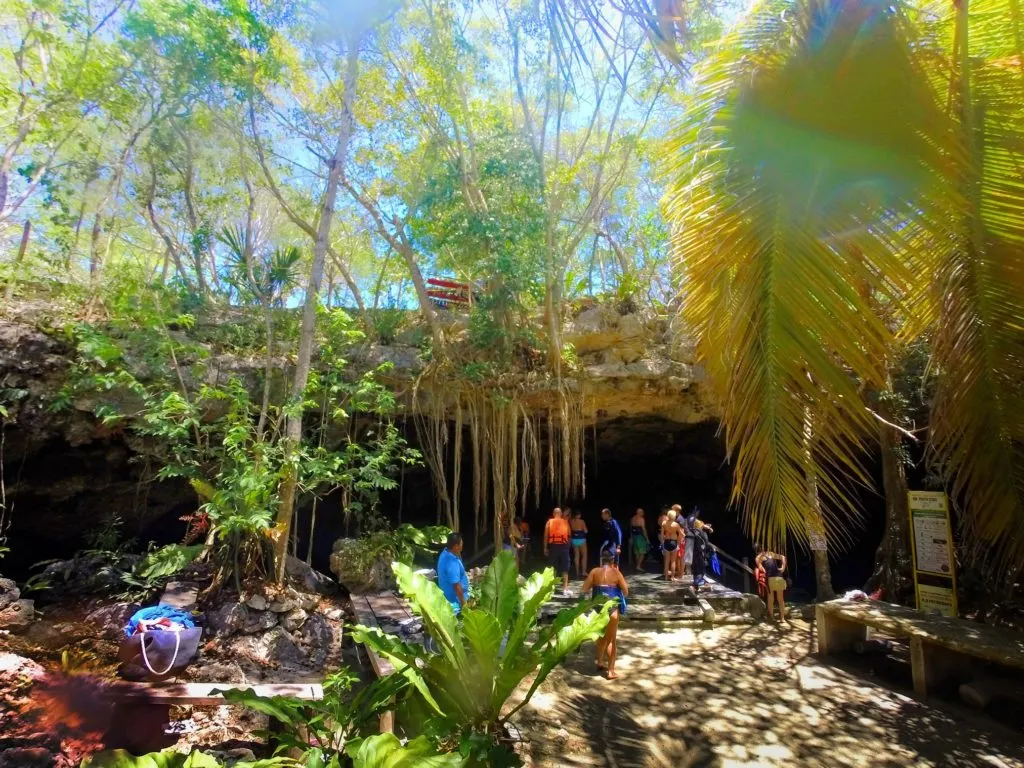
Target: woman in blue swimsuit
{"x": 606, "y": 580}
{"x": 579, "y": 543}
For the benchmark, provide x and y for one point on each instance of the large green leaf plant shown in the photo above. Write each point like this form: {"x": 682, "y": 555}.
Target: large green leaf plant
{"x": 483, "y": 656}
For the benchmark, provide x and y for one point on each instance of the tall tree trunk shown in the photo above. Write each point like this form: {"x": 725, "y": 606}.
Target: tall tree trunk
{"x": 815, "y": 520}
{"x": 18, "y": 259}
{"x": 426, "y": 304}
{"x": 307, "y": 329}
{"x": 268, "y": 369}
{"x": 892, "y": 569}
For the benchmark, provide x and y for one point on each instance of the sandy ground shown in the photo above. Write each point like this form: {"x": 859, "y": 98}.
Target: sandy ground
{"x": 744, "y": 696}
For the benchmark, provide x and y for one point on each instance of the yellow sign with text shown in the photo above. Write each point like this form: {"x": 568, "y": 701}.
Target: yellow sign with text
{"x": 931, "y": 541}
{"x": 938, "y": 600}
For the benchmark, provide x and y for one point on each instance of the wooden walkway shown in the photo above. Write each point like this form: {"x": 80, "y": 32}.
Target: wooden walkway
{"x": 389, "y": 613}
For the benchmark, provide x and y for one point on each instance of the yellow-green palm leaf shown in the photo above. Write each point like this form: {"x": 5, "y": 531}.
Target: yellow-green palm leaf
{"x": 978, "y": 290}
{"x": 799, "y": 171}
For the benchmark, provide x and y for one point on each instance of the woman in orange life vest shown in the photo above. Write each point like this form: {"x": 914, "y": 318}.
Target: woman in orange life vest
{"x": 556, "y": 546}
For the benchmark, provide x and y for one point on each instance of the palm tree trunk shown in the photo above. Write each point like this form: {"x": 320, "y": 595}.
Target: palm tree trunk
{"x": 815, "y": 521}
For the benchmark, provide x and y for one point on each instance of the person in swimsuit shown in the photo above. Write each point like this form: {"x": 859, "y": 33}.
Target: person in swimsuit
{"x": 671, "y": 534}
{"x": 773, "y": 565}
{"x": 606, "y": 580}
{"x": 556, "y": 546}
{"x": 578, "y": 528}
{"x": 639, "y": 544}
{"x": 686, "y": 553}
{"x": 612, "y": 535}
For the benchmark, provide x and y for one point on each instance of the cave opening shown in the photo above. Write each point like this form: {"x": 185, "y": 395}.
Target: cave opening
{"x": 59, "y": 493}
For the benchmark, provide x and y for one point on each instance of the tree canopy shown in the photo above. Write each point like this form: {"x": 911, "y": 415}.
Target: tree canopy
{"x": 814, "y": 185}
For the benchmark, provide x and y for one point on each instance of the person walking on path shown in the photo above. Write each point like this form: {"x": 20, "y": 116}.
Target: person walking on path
{"x": 606, "y": 580}
{"x": 612, "y": 535}
{"x": 773, "y": 565}
{"x": 556, "y": 546}
{"x": 451, "y": 573}
{"x": 578, "y": 528}
{"x": 639, "y": 544}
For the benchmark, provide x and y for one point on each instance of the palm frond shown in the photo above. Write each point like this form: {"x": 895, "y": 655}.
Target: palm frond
{"x": 794, "y": 173}
{"x": 978, "y": 293}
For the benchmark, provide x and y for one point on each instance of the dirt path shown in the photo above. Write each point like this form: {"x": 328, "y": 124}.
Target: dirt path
{"x": 744, "y": 696}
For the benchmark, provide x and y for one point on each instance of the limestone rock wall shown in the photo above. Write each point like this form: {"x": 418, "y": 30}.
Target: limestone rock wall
{"x": 65, "y": 471}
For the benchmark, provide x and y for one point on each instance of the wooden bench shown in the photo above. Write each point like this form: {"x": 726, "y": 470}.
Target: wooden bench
{"x": 387, "y": 612}
{"x": 941, "y": 648}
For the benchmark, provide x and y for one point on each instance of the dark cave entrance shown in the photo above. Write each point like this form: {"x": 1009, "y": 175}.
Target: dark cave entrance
{"x": 630, "y": 462}
{"x": 59, "y": 493}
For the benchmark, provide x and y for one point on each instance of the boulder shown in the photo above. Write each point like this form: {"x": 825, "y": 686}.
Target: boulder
{"x": 307, "y": 602}
{"x": 217, "y": 672}
{"x": 91, "y": 574}
{"x": 258, "y": 622}
{"x": 308, "y": 578}
{"x": 17, "y": 617}
{"x": 350, "y": 565}
{"x": 9, "y": 593}
{"x": 110, "y": 619}
{"x": 401, "y": 357}
{"x": 15, "y": 669}
{"x": 755, "y": 606}
{"x": 273, "y": 648}
{"x": 284, "y": 605}
{"x": 257, "y": 603}
{"x": 315, "y": 639}
{"x": 293, "y": 619}
{"x": 227, "y": 619}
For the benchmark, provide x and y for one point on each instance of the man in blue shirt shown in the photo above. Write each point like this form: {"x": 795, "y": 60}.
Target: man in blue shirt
{"x": 612, "y": 535}
{"x": 451, "y": 573}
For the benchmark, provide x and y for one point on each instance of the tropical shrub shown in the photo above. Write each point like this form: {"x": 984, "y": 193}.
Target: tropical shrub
{"x": 482, "y": 657}
{"x": 367, "y": 560}
{"x": 321, "y": 729}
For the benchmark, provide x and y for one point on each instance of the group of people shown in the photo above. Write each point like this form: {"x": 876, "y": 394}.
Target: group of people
{"x": 683, "y": 540}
